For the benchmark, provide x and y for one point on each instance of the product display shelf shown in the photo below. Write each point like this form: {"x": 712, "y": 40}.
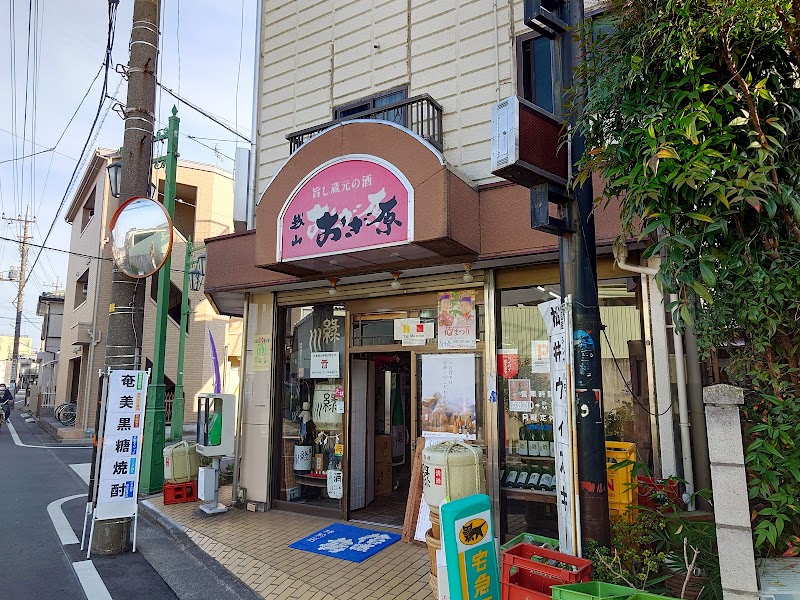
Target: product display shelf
{"x": 312, "y": 480}
{"x": 529, "y": 495}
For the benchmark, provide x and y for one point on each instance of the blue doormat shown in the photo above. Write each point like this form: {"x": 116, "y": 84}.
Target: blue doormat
{"x": 346, "y": 542}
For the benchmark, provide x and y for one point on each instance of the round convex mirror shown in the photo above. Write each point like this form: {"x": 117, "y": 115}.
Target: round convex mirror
{"x": 141, "y": 237}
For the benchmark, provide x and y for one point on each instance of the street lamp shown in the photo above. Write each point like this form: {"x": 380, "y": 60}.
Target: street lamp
{"x": 114, "y": 177}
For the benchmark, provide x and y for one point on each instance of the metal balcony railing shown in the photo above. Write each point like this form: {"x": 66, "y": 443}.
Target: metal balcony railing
{"x": 420, "y": 114}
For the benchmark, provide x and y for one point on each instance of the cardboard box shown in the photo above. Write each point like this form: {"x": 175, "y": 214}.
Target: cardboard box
{"x": 383, "y": 449}
{"x": 383, "y": 478}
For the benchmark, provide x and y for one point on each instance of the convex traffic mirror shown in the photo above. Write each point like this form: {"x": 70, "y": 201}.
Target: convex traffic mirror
{"x": 141, "y": 236}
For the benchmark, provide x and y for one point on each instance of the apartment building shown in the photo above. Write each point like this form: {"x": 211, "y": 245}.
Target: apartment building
{"x": 390, "y": 282}
{"x": 204, "y": 208}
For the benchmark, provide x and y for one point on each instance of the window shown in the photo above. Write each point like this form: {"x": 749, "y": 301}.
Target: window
{"x": 395, "y": 115}
{"x": 185, "y": 207}
{"x": 175, "y": 298}
{"x": 535, "y": 70}
{"x": 87, "y": 212}
{"x": 81, "y": 289}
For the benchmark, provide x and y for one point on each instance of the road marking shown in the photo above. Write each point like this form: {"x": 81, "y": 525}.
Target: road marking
{"x": 82, "y": 469}
{"x": 91, "y": 582}
{"x": 19, "y": 442}
{"x": 62, "y": 526}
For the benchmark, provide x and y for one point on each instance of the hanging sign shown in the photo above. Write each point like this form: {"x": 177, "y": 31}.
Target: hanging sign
{"x": 335, "y": 485}
{"x": 120, "y": 461}
{"x": 457, "y": 321}
{"x": 324, "y": 365}
{"x": 353, "y": 202}
{"x": 540, "y": 356}
{"x": 324, "y": 407}
{"x": 470, "y": 549}
{"x": 507, "y": 362}
{"x": 558, "y": 320}
{"x": 412, "y": 332}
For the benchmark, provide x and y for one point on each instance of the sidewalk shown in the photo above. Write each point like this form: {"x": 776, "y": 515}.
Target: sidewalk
{"x": 254, "y": 547}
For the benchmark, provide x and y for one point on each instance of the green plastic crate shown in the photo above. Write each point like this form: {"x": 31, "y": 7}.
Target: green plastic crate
{"x": 645, "y": 596}
{"x": 530, "y": 538}
{"x": 592, "y": 590}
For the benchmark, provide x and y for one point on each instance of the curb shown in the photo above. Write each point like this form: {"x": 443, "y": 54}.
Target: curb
{"x": 177, "y": 532}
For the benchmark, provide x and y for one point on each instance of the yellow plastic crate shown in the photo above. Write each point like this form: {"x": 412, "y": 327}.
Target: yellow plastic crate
{"x": 621, "y": 490}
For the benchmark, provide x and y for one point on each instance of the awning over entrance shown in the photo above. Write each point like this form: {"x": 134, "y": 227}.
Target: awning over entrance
{"x": 364, "y": 196}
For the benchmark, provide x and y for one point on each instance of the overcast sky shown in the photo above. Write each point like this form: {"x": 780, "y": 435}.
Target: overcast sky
{"x": 201, "y": 45}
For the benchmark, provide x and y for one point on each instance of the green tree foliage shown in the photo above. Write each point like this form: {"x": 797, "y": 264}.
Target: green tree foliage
{"x": 693, "y": 119}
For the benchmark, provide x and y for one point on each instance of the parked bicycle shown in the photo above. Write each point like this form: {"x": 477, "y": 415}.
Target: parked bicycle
{"x": 66, "y": 413}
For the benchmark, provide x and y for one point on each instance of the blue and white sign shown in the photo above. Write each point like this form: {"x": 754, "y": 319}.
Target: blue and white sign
{"x": 346, "y": 542}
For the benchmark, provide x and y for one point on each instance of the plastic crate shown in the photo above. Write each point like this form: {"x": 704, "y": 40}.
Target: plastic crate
{"x": 645, "y": 596}
{"x": 177, "y": 493}
{"x": 659, "y": 494}
{"x": 590, "y": 590}
{"x": 621, "y": 485}
{"x": 526, "y": 585}
{"x": 530, "y": 538}
{"x": 519, "y": 558}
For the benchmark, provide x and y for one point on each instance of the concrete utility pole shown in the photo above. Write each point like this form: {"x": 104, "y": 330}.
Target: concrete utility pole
{"x": 579, "y": 274}
{"x": 126, "y": 313}
{"x": 21, "y": 281}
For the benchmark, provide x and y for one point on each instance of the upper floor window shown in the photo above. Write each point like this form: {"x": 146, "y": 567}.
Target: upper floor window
{"x": 87, "y": 212}
{"x": 185, "y": 208}
{"x": 81, "y": 289}
{"x": 535, "y": 70}
{"x": 396, "y": 115}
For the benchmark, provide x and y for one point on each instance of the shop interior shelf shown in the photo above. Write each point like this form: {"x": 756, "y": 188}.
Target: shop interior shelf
{"x": 310, "y": 480}
{"x": 529, "y": 495}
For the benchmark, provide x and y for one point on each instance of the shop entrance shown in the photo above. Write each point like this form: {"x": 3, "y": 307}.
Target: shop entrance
{"x": 381, "y": 406}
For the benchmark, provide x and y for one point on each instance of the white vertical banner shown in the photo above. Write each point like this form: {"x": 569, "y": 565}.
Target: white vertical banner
{"x": 120, "y": 460}
{"x": 558, "y": 320}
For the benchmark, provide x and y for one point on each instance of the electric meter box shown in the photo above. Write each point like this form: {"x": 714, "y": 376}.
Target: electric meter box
{"x": 215, "y": 424}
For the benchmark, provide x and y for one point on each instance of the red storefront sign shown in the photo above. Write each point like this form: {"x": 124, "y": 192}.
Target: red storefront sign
{"x": 354, "y": 202}
{"x": 507, "y": 362}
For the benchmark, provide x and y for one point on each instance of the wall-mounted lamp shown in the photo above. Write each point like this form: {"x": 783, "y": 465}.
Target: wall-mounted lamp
{"x": 114, "y": 177}
{"x": 333, "y": 281}
{"x": 396, "y": 284}
{"x": 468, "y": 277}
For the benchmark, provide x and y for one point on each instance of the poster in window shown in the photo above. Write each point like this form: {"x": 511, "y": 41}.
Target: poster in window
{"x": 448, "y": 396}
{"x": 260, "y": 353}
{"x": 457, "y": 320}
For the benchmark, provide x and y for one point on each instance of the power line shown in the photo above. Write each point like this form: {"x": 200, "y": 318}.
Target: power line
{"x": 26, "y": 156}
{"x": 203, "y": 112}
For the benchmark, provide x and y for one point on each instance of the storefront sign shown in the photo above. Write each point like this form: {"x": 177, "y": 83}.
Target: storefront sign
{"x": 324, "y": 413}
{"x": 470, "y": 549}
{"x": 448, "y": 395}
{"x": 122, "y": 445}
{"x": 260, "y": 353}
{"x": 558, "y": 320}
{"x": 519, "y": 395}
{"x": 457, "y": 322}
{"x": 325, "y": 365}
{"x": 354, "y": 202}
{"x": 507, "y": 362}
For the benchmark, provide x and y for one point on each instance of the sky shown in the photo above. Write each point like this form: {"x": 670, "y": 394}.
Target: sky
{"x": 207, "y": 55}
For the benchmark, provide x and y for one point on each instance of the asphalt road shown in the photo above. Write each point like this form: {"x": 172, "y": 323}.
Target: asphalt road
{"x": 37, "y": 562}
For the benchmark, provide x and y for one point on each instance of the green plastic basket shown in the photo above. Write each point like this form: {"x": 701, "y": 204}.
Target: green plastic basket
{"x": 530, "y": 538}
{"x": 592, "y": 590}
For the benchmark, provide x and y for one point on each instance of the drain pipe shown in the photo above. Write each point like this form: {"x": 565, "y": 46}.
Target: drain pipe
{"x": 621, "y": 256}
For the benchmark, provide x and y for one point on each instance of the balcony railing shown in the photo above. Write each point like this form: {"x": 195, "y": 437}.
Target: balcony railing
{"x": 420, "y": 114}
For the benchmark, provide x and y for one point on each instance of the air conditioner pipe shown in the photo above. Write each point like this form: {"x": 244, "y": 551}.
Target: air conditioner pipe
{"x": 620, "y": 257}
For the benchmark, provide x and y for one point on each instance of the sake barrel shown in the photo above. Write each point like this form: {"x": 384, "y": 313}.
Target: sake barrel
{"x": 452, "y": 470}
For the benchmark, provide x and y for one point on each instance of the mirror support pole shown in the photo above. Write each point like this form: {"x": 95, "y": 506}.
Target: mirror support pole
{"x": 151, "y": 479}
{"x": 176, "y": 426}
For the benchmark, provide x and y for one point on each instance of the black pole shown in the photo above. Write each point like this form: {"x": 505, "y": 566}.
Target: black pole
{"x": 580, "y": 268}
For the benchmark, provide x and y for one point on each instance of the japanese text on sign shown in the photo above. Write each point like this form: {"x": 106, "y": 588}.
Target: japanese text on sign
{"x": 347, "y": 204}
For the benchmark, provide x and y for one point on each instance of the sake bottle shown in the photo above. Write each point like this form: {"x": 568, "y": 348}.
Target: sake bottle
{"x": 533, "y": 478}
{"x": 551, "y": 444}
{"x": 546, "y": 480}
{"x": 533, "y": 446}
{"x": 511, "y": 478}
{"x": 522, "y": 444}
{"x": 522, "y": 477}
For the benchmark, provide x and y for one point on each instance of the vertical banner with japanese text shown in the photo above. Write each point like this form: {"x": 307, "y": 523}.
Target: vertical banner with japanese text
{"x": 558, "y": 320}
{"x": 120, "y": 460}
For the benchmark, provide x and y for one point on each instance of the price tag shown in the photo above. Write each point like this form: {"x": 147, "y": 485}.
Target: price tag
{"x": 340, "y": 406}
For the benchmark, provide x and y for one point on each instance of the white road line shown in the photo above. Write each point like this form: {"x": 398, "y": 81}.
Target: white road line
{"x": 91, "y": 581}
{"x": 83, "y": 470}
{"x": 62, "y": 526}
{"x": 19, "y": 442}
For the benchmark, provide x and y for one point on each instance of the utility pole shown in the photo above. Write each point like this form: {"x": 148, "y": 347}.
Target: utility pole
{"x": 21, "y": 281}
{"x": 579, "y": 276}
{"x": 151, "y": 478}
{"x": 126, "y": 313}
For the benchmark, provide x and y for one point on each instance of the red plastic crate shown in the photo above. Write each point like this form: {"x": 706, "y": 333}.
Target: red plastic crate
{"x": 519, "y": 556}
{"x": 527, "y": 585}
{"x": 660, "y": 494}
{"x": 177, "y": 493}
